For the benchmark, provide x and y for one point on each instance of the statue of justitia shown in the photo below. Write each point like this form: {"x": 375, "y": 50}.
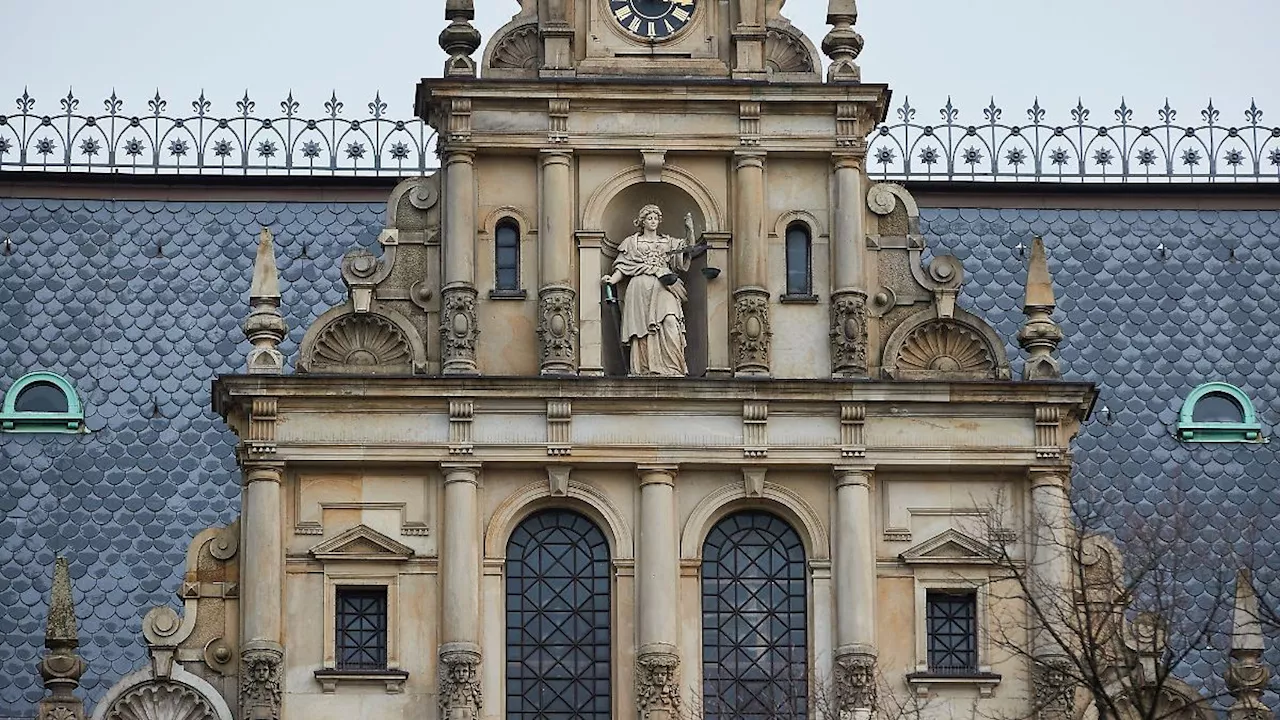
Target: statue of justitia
{"x": 653, "y": 304}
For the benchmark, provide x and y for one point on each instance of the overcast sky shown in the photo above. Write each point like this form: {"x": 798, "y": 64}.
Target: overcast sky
{"x": 1100, "y": 50}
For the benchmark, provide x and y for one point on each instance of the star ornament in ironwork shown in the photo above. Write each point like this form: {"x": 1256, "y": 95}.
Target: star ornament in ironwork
{"x": 399, "y": 151}
{"x": 885, "y": 155}
{"x": 90, "y": 147}
{"x": 222, "y": 148}
{"x": 5, "y": 145}
{"x": 972, "y": 156}
{"x": 178, "y": 148}
{"x": 1234, "y": 158}
{"x": 45, "y": 146}
{"x": 929, "y": 156}
{"x": 1015, "y": 157}
{"x": 311, "y": 149}
{"x": 1191, "y": 157}
{"x": 1274, "y": 157}
{"x": 355, "y": 151}
{"x": 1103, "y": 156}
{"x": 1059, "y": 156}
{"x": 266, "y": 149}
{"x": 134, "y": 147}
{"x": 1147, "y": 157}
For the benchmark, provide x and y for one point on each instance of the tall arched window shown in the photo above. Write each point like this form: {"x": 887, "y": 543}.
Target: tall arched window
{"x": 507, "y": 256}
{"x": 799, "y": 260}
{"x": 558, "y": 619}
{"x": 754, "y": 649}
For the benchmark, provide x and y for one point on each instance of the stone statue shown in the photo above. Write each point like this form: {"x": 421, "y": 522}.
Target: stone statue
{"x": 652, "y": 306}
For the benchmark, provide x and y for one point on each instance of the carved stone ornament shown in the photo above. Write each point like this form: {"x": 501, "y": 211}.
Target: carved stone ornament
{"x": 557, "y": 330}
{"x": 786, "y": 53}
{"x": 855, "y": 683}
{"x": 518, "y": 49}
{"x": 1053, "y": 689}
{"x": 751, "y": 333}
{"x": 657, "y": 684}
{"x": 849, "y": 334}
{"x": 161, "y": 700}
{"x": 943, "y": 349}
{"x": 360, "y": 343}
{"x": 260, "y": 683}
{"x": 458, "y": 330}
{"x": 460, "y": 680}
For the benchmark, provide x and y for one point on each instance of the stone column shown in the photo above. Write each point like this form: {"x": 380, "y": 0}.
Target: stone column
{"x": 750, "y": 331}
{"x": 458, "y": 329}
{"x": 1050, "y": 574}
{"x": 557, "y": 324}
{"x": 261, "y": 593}
{"x": 855, "y": 585}
{"x": 848, "y": 270}
{"x": 460, "y": 566}
{"x": 658, "y": 575}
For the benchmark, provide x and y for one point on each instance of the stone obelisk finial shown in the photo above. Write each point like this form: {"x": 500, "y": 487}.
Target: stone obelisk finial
{"x": 1247, "y": 676}
{"x": 61, "y": 666}
{"x": 1039, "y": 335}
{"x": 843, "y": 44}
{"x": 265, "y": 326}
{"x": 459, "y": 38}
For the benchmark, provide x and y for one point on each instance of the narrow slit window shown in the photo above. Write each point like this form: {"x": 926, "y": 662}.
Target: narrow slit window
{"x": 507, "y": 260}
{"x": 361, "y": 637}
{"x": 952, "y": 629}
{"x": 799, "y": 260}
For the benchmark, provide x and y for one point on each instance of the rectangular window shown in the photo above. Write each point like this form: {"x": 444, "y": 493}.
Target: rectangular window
{"x": 361, "y": 637}
{"x": 952, "y": 625}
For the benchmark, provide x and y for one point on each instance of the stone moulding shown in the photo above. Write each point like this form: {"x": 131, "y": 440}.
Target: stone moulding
{"x": 343, "y": 342}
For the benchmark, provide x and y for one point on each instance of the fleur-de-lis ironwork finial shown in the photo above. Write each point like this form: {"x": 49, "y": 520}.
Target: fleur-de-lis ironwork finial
{"x": 1035, "y": 113}
{"x": 1210, "y": 114}
{"x": 949, "y": 112}
{"x": 245, "y": 105}
{"x": 200, "y": 105}
{"x": 70, "y": 103}
{"x": 1167, "y": 114}
{"x": 1253, "y": 114}
{"x": 1080, "y": 114}
{"x": 113, "y": 103}
{"x": 377, "y": 107}
{"x": 1123, "y": 113}
{"x": 289, "y": 105}
{"x": 906, "y": 112}
{"x": 333, "y": 106}
{"x": 157, "y": 104}
{"x": 26, "y": 102}
{"x": 992, "y": 112}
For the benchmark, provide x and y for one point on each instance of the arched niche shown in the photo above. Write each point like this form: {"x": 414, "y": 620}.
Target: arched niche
{"x": 617, "y": 217}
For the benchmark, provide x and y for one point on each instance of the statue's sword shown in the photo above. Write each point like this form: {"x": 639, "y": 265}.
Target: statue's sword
{"x": 615, "y": 312}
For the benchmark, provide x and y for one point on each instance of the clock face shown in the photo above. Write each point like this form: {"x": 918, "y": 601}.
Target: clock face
{"x": 652, "y": 19}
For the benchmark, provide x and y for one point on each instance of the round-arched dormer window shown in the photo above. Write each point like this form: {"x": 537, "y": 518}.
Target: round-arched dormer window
{"x": 41, "y": 402}
{"x": 1218, "y": 412}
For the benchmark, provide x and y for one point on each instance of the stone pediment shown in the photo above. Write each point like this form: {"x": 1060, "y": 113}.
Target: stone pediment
{"x": 361, "y": 543}
{"x": 950, "y": 547}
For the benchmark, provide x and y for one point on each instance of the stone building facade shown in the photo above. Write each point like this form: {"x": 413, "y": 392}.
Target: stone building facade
{"x": 461, "y": 503}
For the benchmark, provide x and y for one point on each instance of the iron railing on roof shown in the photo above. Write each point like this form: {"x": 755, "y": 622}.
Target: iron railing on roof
{"x": 253, "y": 141}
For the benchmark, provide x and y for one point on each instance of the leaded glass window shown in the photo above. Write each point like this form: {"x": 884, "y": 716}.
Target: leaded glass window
{"x": 952, "y": 626}
{"x": 754, "y": 629}
{"x": 361, "y": 638}
{"x": 558, "y": 641}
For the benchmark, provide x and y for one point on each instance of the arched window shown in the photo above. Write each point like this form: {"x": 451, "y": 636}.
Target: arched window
{"x": 1218, "y": 412}
{"x": 754, "y": 608}
{"x": 558, "y": 619}
{"x": 507, "y": 256}
{"x": 799, "y": 260}
{"x": 41, "y": 402}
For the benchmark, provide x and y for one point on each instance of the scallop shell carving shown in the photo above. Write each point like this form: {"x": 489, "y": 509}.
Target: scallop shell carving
{"x": 518, "y": 50}
{"x": 786, "y": 54}
{"x": 356, "y": 343}
{"x": 161, "y": 700}
{"x": 945, "y": 350}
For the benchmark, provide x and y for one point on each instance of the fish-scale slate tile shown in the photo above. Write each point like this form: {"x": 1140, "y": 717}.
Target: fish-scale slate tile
{"x": 1154, "y": 303}
{"x": 139, "y": 305}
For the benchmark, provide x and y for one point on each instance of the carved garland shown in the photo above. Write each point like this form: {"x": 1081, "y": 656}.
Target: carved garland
{"x": 161, "y": 699}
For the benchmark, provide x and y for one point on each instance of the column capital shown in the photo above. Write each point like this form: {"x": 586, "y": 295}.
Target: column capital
{"x": 853, "y": 475}
{"x": 461, "y": 472}
{"x": 555, "y": 156}
{"x": 451, "y": 153}
{"x": 1049, "y": 476}
{"x": 657, "y": 474}
{"x": 748, "y": 158}
{"x": 262, "y": 472}
{"x": 849, "y": 160}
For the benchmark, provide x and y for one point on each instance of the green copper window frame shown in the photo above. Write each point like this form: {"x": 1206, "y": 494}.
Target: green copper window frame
{"x": 12, "y": 420}
{"x": 1248, "y": 430}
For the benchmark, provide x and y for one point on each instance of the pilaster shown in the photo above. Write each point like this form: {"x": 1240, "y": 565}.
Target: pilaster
{"x": 855, "y": 583}
{"x": 557, "y": 316}
{"x": 657, "y": 575}
{"x": 848, "y": 269}
{"x": 460, "y": 569}
{"x": 261, "y": 591}
{"x": 750, "y": 333}
{"x": 458, "y": 323}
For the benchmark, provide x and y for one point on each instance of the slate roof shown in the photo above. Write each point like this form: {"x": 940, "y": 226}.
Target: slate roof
{"x": 139, "y": 305}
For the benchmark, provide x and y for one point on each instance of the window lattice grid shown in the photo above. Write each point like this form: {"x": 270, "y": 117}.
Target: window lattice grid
{"x": 754, "y": 620}
{"x": 952, "y": 628}
{"x": 558, "y": 634}
{"x": 361, "y": 638}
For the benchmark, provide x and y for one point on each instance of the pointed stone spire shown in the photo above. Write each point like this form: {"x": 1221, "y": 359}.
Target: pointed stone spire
{"x": 459, "y": 38}
{"x": 1247, "y": 676}
{"x": 265, "y": 326}
{"x": 1039, "y": 335}
{"x": 61, "y": 666}
{"x": 843, "y": 44}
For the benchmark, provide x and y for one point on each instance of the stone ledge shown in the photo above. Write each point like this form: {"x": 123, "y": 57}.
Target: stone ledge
{"x": 330, "y": 678}
{"x": 985, "y": 682}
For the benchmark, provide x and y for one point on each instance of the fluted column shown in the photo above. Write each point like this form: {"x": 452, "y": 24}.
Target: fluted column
{"x": 261, "y": 593}
{"x": 848, "y": 269}
{"x": 657, "y": 574}
{"x": 458, "y": 329}
{"x": 1050, "y": 574}
{"x": 750, "y": 331}
{"x": 460, "y": 566}
{"x": 855, "y": 586}
{"x": 557, "y": 322}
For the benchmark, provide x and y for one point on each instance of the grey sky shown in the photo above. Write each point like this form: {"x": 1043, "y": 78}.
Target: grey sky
{"x": 971, "y": 50}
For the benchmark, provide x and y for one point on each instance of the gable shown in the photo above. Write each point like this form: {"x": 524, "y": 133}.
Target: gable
{"x": 951, "y": 547}
{"x": 361, "y": 543}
